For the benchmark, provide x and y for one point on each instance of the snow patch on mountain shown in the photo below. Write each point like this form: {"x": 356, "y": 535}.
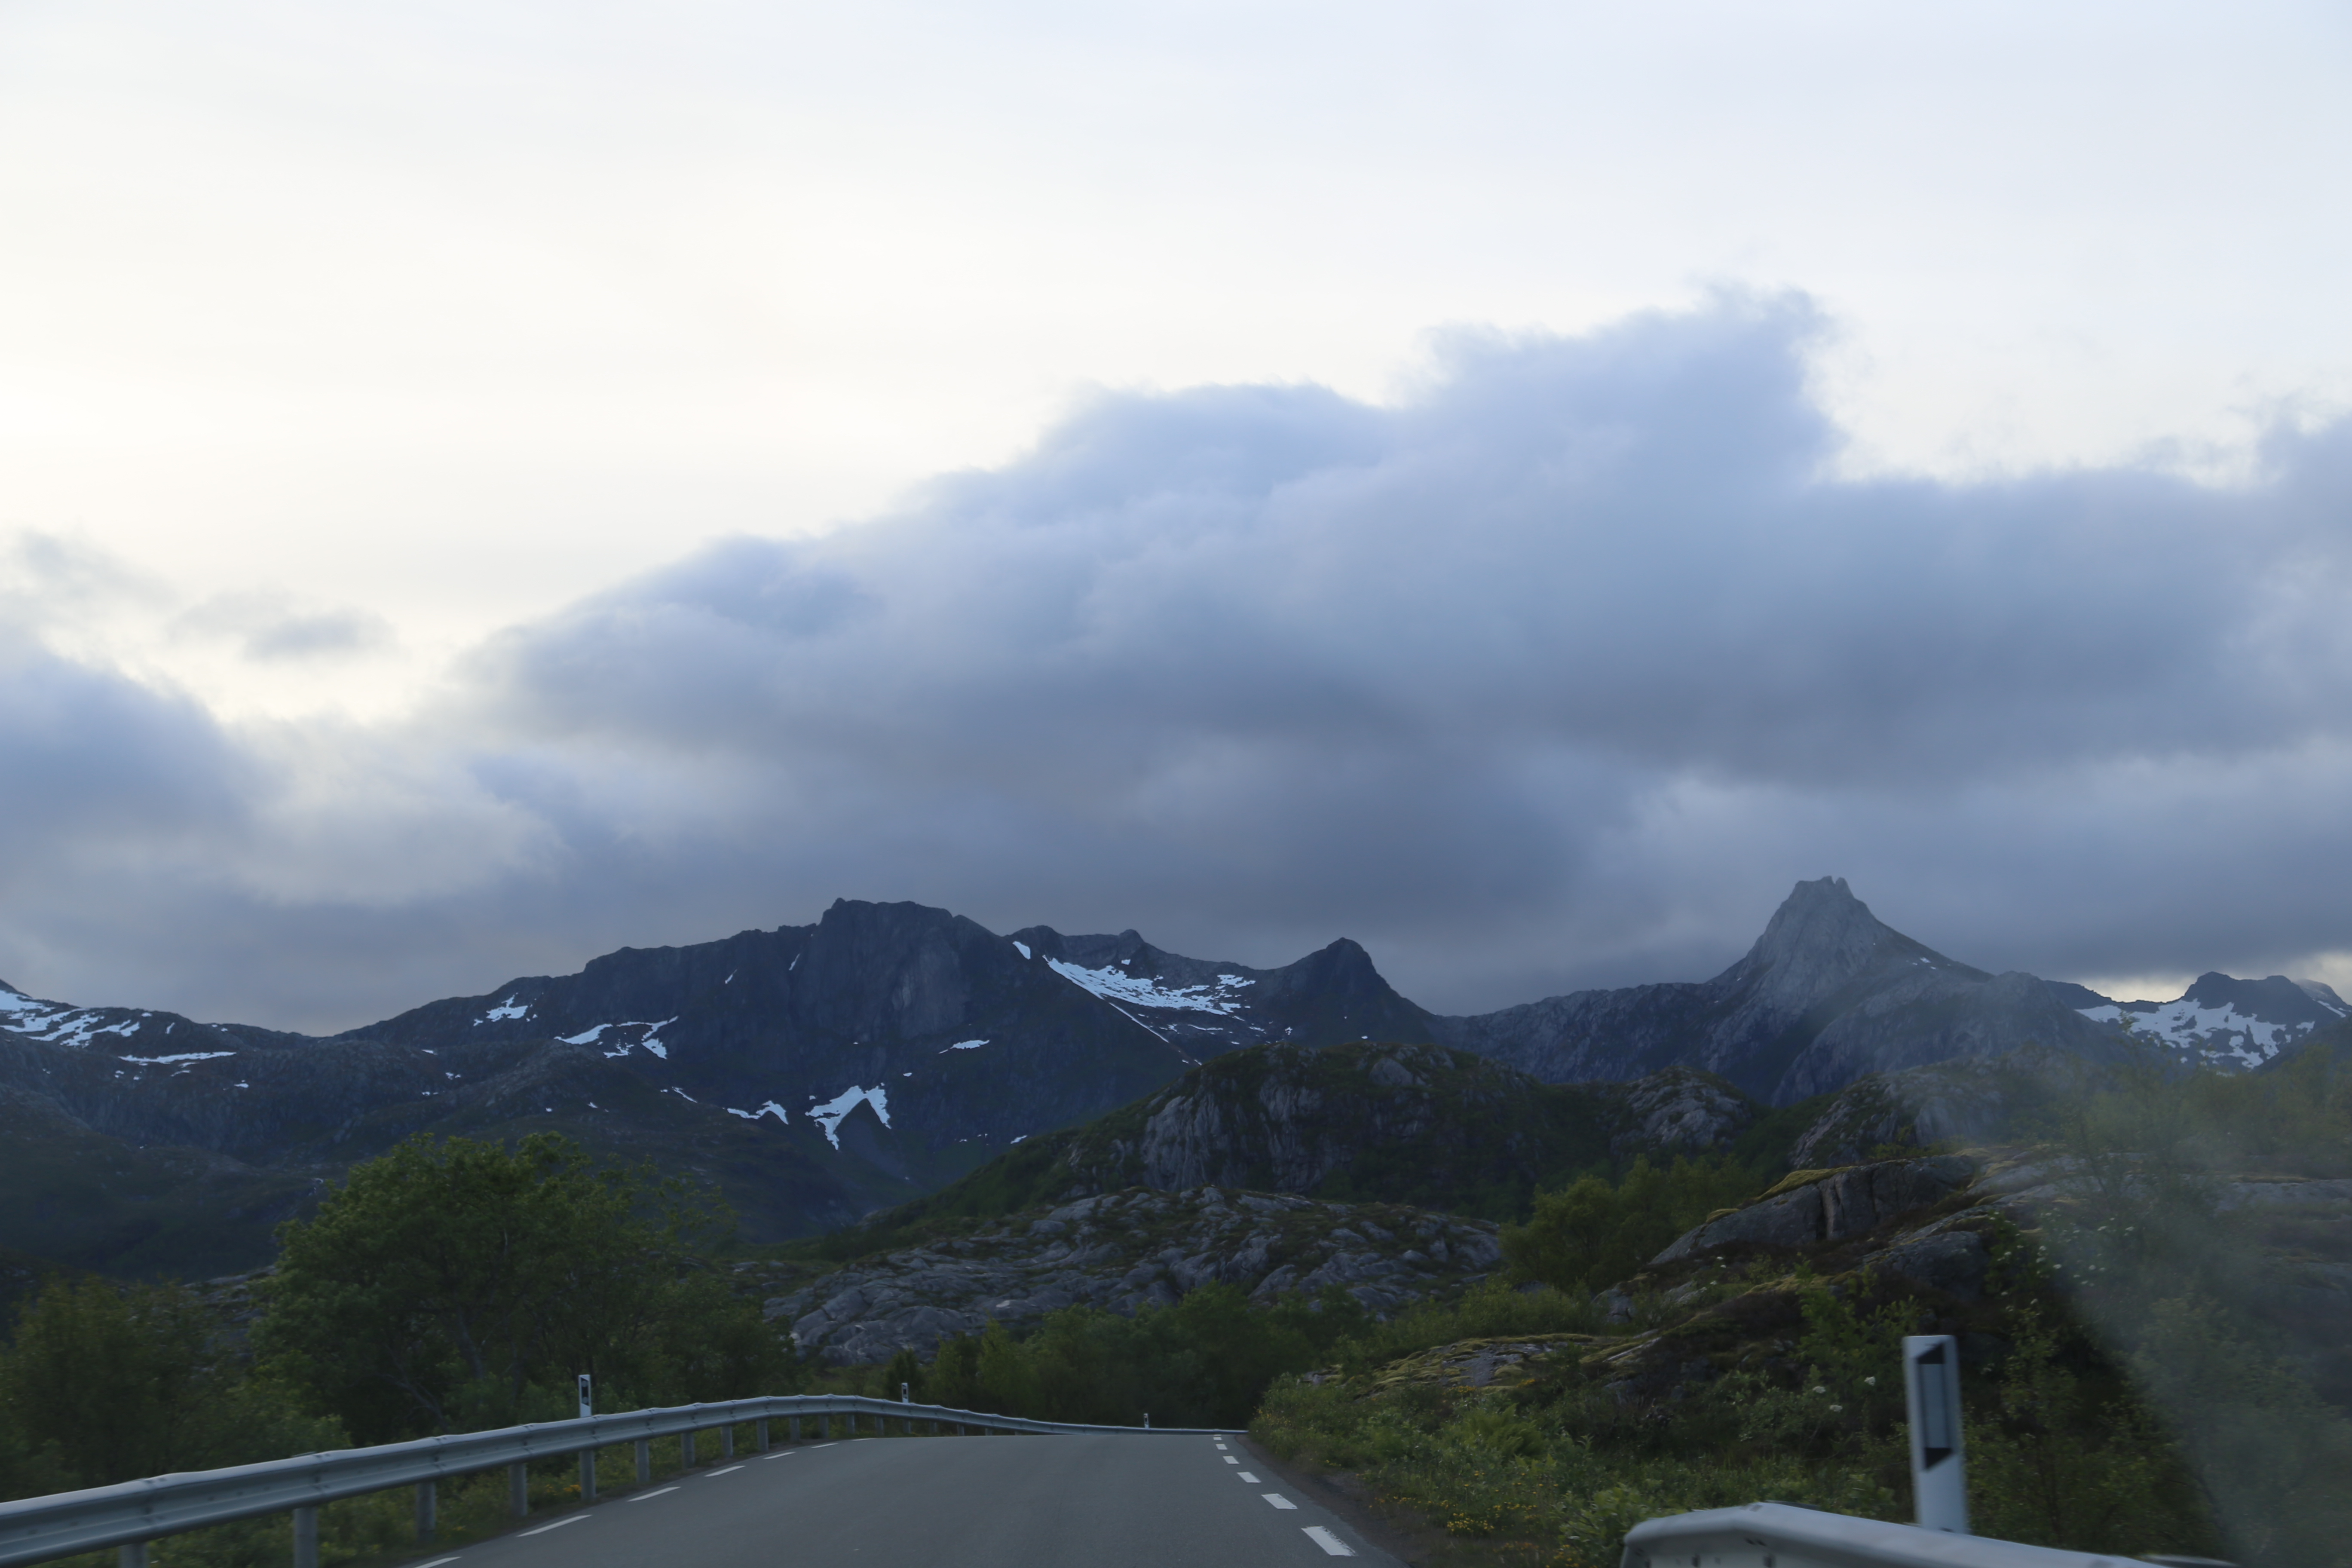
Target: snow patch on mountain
{"x": 509, "y": 1008}
{"x": 2226, "y": 1022}
{"x": 783, "y": 1117}
{"x": 2207, "y": 1031}
{"x": 71, "y": 1026}
{"x": 1108, "y": 984}
{"x": 959, "y": 1046}
{"x": 181, "y": 1056}
{"x": 649, "y": 1040}
{"x": 830, "y": 1113}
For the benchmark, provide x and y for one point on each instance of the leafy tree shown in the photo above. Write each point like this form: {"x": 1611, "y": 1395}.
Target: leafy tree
{"x": 905, "y": 1370}
{"x": 955, "y": 1372}
{"x": 456, "y": 1284}
{"x": 108, "y": 1382}
{"x": 1007, "y": 1378}
{"x": 1590, "y": 1234}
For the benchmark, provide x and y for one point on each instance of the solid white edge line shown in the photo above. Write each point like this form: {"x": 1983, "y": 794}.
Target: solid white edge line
{"x": 1328, "y": 1542}
{"x": 641, "y": 1497}
{"x": 728, "y": 1471}
{"x": 437, "y": 1562}
{"x": 1277, "y": 1499}
{"x": 558, "y": 1524}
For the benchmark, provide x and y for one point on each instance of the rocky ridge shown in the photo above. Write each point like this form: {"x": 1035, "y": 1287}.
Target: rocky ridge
{"x": 1409, "y": 1124}
{"x": 1123, "y": 1251}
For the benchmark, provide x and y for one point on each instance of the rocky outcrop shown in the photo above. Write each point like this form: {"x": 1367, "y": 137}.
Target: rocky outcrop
{"x": 1828, "y": 1205}
{"x": 1123, "y": 1251}
{"x": 1967, "y": 1101}
{"x": 1679, "y": 1111}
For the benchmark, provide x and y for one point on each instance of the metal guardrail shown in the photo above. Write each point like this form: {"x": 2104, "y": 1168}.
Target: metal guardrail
{"x": 1778, "y": 1535}
{"x": 35, "y": 1530}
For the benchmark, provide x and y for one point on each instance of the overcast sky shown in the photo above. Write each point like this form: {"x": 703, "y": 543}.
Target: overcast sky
{"x": 1518, "y": 485}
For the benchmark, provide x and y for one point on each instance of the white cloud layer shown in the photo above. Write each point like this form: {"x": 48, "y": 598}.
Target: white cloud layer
{"x": 1556, "y": 673}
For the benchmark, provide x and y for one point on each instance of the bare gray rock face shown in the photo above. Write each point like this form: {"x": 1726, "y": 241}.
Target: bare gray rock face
{"x": 1842, "y": 1204}
{"x": 1952, "y": 1261}
{"x": 1681, "y": 1110}
{"x": 1124, "y": 1251}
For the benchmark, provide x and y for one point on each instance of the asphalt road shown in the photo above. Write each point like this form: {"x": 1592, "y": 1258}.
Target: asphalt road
{"x": 1107, "y": 1501}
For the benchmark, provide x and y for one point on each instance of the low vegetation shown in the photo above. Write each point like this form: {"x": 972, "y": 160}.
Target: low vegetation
{"x": 2138, "y": 1379}
{"x": 2142, "y": 1372}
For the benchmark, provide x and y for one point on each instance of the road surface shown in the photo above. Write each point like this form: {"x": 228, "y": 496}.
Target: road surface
{"x": 1063, "y": 1501}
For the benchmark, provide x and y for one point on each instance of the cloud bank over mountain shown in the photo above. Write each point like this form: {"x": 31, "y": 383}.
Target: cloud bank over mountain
{"x": 1557, "y": 672}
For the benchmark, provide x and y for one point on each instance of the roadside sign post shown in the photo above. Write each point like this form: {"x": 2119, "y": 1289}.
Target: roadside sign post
{"x": 1931, "y": 1387}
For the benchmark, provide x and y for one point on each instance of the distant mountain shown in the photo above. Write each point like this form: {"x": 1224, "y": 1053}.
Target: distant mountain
{"x": 1827, "y": 994}
{"x": 2220, "y": 1021}
{"x": 816, "y": 1074}
{"x": 813, "y": 1073}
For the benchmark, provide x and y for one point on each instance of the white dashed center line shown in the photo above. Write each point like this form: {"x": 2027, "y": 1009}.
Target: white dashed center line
{"x": 1250, "y": 1479}
{"x": 558, "y": 1524}
{"x": 1231, "y": 1460}
{"x": 643, "y": 1495}
{"x": 1328, "y": 1541}
{"x": 1277, "y": 1499}
{"x": 728, "y": 1471}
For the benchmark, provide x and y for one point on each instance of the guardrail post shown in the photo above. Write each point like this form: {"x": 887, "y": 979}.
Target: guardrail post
{"x": 587, "y": 1475}
{"x": 519, "y": 1489}
{"x": 824, "y": 1428}
{"x": 305, "y": 1538}
{"x": 686, "y": 1450}
{"x": 760, "y": 1434}
{"x": 794, "y": 1427}
{"x": 428, "y": 1510}
{"x": 645, "y": 1460}
{"x": 131, "y": 1554}
{"x": 727, "y": 1441}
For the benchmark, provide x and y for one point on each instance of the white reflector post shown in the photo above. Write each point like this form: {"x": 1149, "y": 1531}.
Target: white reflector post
{"x": 1931, "y": 1385}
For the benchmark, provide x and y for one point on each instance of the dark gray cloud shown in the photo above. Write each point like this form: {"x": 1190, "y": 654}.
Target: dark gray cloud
{"x": 1558, "y": 672}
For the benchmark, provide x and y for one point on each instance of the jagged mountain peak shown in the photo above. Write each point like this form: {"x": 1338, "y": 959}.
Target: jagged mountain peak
{"x": 1343, "y": 969}
{"x": 1829, "y": 992}
{"x": 1819, "y": 941}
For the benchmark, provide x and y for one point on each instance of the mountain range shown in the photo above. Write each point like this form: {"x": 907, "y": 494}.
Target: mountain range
{"x": 816, "y": 1073}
